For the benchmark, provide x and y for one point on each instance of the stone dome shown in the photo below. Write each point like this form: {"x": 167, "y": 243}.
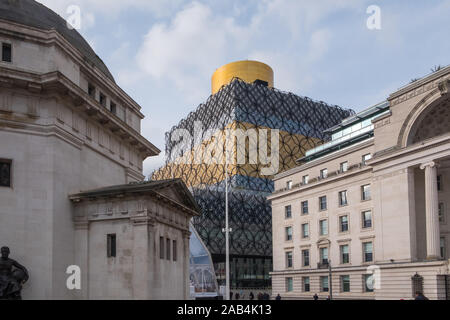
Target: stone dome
{"x": 34, "y": 14}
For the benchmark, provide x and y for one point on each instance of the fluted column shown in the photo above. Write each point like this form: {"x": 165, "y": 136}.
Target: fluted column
{"x": 432, "y": 210}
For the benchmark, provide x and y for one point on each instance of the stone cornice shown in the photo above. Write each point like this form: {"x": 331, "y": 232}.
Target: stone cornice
{"x": 60, "y": 84}
{"x": 52, "y": 37}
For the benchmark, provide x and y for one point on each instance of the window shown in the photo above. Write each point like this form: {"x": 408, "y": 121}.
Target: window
{"x": 305, "y": 207}
{"x": 368, "y": 282}
{"x": 323, "y": 173}
{"x": 174, "y": 250}
{"x": 442, "y": 246}
{"x": 417, "y": 284}
{"x": 306, "y": 284}
{"x": 365, "y": 192}
{"x": 305, "y": 230}
{"x": 113, "y": 108}
{"x": 343, "y": 198}
{"x": 305, "y": 179}
{"x": 441, "y": 212}
{"x": 5, "y": 173}
{"x": 161, "y": 247}
{"x": 289, "y": 284}
{"x": 6, "y": 52}
{"x": 289, "y": 262}
{"x": 368, "y": 251}
{"x": 324, "y": 284}
{"x": 168, "y": 249}
{"x": 323, "y": 203}
{"x": 288, "y": 233}
{"x": 305, "y": 258}
{"x": 366, "y": 219}
{"x": 324, "y": 255}
{"x": 111, "y": 245}
{"x": 439, "y": 182}
{"x": 345, "y": 283}
{"x": 102, "y": 99}
{"x": 343, "y": 167}
{"x": 343, "y": 223}
{"x": 345, "y": 256}
{"x": 323, "y": 227}
{"x": 288, "y": 212}
{"x": 366, "y": 158}
{"x": 91, "y": 90}
{"x": 289, "y": 185}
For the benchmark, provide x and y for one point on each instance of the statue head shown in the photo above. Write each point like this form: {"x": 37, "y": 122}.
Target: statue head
{"x": 4, "y": 252}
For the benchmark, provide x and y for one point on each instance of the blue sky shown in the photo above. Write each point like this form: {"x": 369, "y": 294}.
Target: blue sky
{"x": 163, "y": 52}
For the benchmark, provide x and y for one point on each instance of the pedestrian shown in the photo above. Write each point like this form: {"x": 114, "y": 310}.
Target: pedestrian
{"x": 259, "y": 296}
{"x": 316, "y": 297}
{"x": 266, "y": 296}
{"x": 278, "y": 297}
{"x": 420, "y": 296}
{"x": 251, "y": 296}
{"x": 329, "y": 298}
{"x": 231, "y": 295}
{"x": 236, "y": 296}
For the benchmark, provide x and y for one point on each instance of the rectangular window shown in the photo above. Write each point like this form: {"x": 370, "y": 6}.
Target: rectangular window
{"x": 289, "y": 284}
{"x": 6, "y": 52}
{"x": 305, "y": 258}
{"x": 161, "y": 247}
{"x": 368, "y": 251}
{"x": 441, "y": 212}
{"x": 91, "y": 90}
{"x": 345, "y": 255}
{"x": 366, "y": 158}
{"x": 343, "y": 198}
{"x": 324, "y": 284}
{"x": 305, "y": 230}
{"x": 368, "y": 282}
{"x": 323, "y": 227}
{"x": 102, "y": 99}
{"x": 306, "y": 284}
{"x": 288, "y": 212}
{"x": 324, "y": 255}
{"x": 289, "y": 185}
{"x": 288, "y": 233}
{"x": 443, "y": 249}
{"x": 113, "y": 108}
{"x": 343, "y": 223}
{"x": 343, "y": 167}
{"x": 5, "y": 173}
{"x": 365, "y": 192}
{"x": 305, "y": 209}
{"x": 345, "y": 283}
{"x": 111, "y": 245}
{"x": 289, "y": 262}
{"x": 168, "y": 249}
{"x": 323, "y": 203}
{"x": 366, "y": 219}
{"x": 439, "y": 182}
{"x": 174, "y": 250}
{"x": 323, "y": 173}
{"x": 305, "y": 179}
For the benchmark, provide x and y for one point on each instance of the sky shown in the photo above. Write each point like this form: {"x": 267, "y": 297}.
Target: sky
{"x": 164, "y": 52}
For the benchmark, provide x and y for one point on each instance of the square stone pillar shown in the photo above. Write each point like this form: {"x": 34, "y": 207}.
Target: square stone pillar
{"x": 431, "y": 210}
{"x": 82, "y": 257}
{"x": 141, "y": 255}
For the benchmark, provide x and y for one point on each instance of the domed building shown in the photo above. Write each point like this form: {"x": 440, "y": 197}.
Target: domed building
{"x": 74, "y": 209}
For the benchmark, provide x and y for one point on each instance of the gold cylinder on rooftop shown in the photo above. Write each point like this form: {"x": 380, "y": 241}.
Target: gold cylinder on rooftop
{"x": 247, "y": 70}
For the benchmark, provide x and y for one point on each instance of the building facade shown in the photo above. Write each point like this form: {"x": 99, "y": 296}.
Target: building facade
{"x": 237, "y": 120}
{"x": 66, "y": 127}
{"x": 371, "y": 205}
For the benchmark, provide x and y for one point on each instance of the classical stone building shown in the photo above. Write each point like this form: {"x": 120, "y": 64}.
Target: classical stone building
{"x": 372, "y": 203}
{"x": 67, "y": 127}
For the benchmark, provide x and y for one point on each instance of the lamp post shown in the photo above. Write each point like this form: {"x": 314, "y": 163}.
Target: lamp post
{"x": 227, "y": 229}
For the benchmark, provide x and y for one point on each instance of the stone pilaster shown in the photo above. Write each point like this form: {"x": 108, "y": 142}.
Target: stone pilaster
{"x": 141, "y": 261}
{"x": 82, "y": 257}
{"x": 186, "y": 254}
{"x": 432, "y": 210}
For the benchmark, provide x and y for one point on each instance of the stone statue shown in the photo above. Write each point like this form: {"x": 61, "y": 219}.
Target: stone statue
{"x": 11, "y": 279}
